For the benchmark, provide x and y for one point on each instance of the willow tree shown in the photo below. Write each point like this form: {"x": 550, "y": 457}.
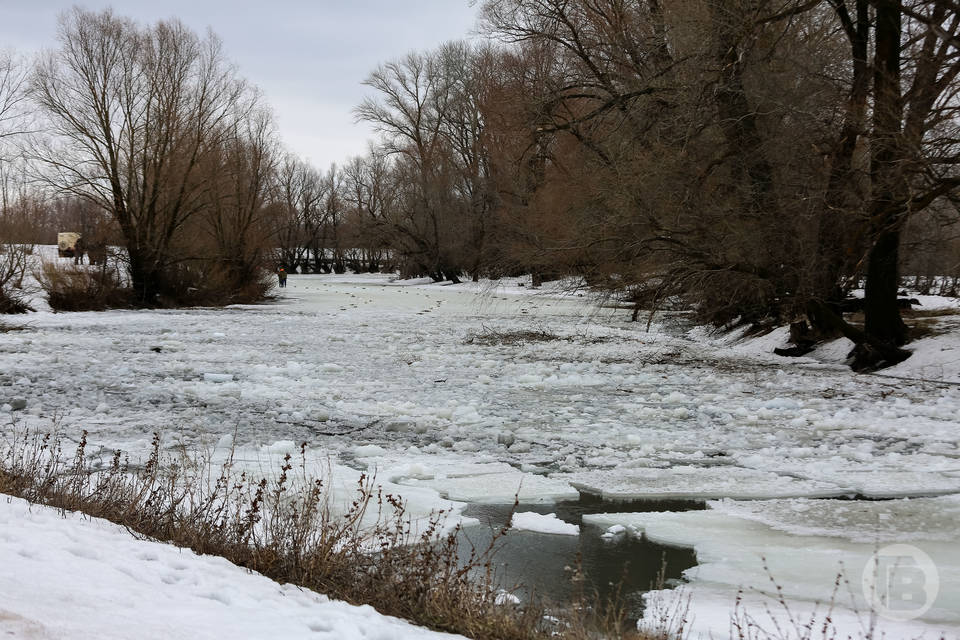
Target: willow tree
{"x": 133, "y": 116}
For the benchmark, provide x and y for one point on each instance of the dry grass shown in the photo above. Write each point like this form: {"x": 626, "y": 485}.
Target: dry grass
{"x": 929, "y": 327}
{"x": 931, "y": 313}
{"x": 293, "y": 536}
{"x": 491, "y": 337}
{"x": 7, "y": 328}
{"x": 71, "y": 287}
{"x": 924, "y": 323}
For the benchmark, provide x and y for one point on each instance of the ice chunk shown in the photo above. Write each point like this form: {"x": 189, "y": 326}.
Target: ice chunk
{"x": 549, "y": 523}
{"x": 501, "y": 488}
{"x": 368, "y": 451}
{"x": 689, "y": 482}
{"x": 867, "y": 521}
{"x": 217, "y": 378}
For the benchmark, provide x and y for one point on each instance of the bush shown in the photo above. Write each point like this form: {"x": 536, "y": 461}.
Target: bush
{"x": 71, "y": 287}
{"x": 13, "y": 267}
{"x": 213, "y": 283}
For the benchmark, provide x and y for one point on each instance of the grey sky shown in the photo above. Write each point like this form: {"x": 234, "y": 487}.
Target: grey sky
{"x": 309, "y": 57}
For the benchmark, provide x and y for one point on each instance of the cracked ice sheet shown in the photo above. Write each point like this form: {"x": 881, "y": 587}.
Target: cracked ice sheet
{"x": 803, "y": 545}
{"x": 78, "y": 577}
{"x": 422, "y": 504}
{"x": 499, "y": 488}
{"x": 880, "y": 477}
{"x": 697, "y": 483}
{"x": 934, "y": 519}
{"x": 470, "y": 479}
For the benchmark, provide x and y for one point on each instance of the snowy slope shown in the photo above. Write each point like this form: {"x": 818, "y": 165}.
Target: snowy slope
{"x": 75, "y": 577}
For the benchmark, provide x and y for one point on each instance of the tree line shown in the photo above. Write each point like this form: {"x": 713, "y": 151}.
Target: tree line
{"x": 753, "y": 160}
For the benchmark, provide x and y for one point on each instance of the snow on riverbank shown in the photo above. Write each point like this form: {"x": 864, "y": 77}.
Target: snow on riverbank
{"x": 387, "y": 377}
{"x": 79, "y": 577}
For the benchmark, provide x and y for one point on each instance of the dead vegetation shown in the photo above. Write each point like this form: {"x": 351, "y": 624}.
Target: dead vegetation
{"x": 13, "y": 266}
{"x": 7, "y": 328}
{"x": 932, "y": 325}
{"x": 491, "y": 337}
{"x": 923, "y": 323}
{"x": 71, "y": 287}
{"x": 487, "y": 337}
{"x": 370, "y": 551}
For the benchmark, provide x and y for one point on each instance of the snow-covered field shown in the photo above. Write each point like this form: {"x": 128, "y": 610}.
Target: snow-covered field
{"x": 425, "y": 385}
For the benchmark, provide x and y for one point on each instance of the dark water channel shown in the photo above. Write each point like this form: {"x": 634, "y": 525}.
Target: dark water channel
{"x": 543, "y": 564}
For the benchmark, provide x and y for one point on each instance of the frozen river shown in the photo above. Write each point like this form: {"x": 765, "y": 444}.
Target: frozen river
{"x": 470, "y": 394}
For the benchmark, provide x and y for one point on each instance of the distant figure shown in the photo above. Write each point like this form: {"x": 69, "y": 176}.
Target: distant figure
{"x": 282, "y": 276}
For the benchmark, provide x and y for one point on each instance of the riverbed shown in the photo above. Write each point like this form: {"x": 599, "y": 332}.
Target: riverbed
{"x": 471, "y": 397}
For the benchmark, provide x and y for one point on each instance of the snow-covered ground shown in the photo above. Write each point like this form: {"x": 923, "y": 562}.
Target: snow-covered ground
{"x": 478, "y": 393}
{"x": 76, "y": 577}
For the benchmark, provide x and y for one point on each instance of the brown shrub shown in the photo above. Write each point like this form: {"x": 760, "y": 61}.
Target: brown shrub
{"x": 13, "y": 266}
{"x": 213, "y": 283}
{"x": 71, "y": 287}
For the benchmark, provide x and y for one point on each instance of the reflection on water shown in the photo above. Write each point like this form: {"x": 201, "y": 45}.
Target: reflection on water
{"x": 544, "y": 563}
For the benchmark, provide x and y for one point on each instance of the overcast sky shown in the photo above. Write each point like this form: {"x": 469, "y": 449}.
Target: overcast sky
{"x": 308, "y": 56}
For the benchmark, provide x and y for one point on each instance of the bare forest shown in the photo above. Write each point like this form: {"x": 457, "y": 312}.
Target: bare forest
{"x": 753, "y": 161}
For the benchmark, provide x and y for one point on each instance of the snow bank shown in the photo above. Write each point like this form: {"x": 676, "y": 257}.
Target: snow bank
{"x": 934, "y": 358}
{"x": 79, "y": 577}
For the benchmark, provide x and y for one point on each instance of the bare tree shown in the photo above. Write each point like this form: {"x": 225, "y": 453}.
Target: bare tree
{"x": 334, "y": 209}
{"x": 238, "y": 221}
{"x": 133, "y": 115}
{"x": 413, "y": 102}
{"x": 14, "y": 75}
{"x": 299, "y": 193}
{"x": 13, "y": 256}
{"x": 371, "y": 194}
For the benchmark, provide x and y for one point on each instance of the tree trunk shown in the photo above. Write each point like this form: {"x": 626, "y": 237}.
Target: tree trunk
{"x": 838, "y": 236}
{"x": 881, "y": 309}
{"x": 869, "y": 352}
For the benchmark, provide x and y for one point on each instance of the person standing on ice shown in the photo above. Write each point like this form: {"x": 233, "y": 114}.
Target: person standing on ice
{"x": 282, "y": 276}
